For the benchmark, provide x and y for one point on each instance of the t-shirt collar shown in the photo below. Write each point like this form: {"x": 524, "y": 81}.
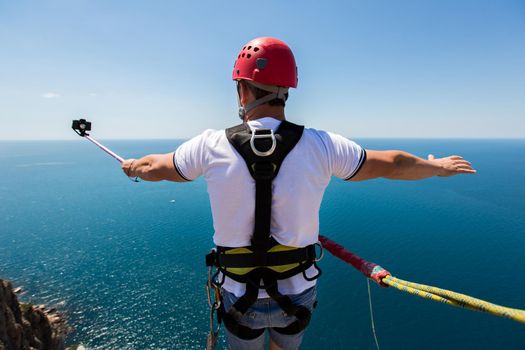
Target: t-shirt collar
{"x": 264, "y": 123}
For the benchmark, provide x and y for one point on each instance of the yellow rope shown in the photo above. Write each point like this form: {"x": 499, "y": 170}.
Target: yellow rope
{"x": 454, "y": 299}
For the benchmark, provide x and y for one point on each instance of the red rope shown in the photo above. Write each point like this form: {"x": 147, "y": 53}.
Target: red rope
{"x": 369, "y": 269}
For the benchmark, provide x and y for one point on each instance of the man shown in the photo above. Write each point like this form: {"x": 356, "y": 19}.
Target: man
{"x": 242, "y": 188}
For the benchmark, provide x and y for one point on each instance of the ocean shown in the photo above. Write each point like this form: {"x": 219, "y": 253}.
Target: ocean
{"x": 125, "y": 261}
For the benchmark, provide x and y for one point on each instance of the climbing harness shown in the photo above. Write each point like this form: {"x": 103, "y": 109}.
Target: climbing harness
{"x": 265, "y": 261}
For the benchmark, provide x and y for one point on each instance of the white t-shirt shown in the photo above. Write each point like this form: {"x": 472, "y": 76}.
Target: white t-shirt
{"x": 297, "y": 190}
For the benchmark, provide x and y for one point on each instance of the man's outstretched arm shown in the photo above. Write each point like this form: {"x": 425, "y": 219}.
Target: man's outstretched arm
{"x": 154, "y": 167}
{"x": 401, "y": 165}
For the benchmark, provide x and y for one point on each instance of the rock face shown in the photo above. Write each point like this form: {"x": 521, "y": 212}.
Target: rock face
{"x": 28, "y": 327}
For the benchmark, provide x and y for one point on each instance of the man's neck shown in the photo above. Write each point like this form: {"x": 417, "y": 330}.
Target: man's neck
{"x": 262, "y": 111}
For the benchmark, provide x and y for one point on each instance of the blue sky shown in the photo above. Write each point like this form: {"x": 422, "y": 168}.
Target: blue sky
{"x": 162, "y": 69}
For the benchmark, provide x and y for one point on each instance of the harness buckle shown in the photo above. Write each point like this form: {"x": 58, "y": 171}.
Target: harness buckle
{"x": 263, "y": 134}
{"x": 263, "y": 170}
{"x": 211, "y": 258}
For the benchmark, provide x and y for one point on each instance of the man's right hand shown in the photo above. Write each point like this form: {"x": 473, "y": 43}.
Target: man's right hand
{"x": 127, "y": 167}
{"x": 154, "y": 167}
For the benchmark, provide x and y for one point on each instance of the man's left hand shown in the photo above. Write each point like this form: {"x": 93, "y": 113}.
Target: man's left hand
{"x": 452, "y": 165}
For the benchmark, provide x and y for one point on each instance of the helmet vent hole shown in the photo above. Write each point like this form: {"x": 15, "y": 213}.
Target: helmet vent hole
{"x": 243, "y": 54}
{"x": 239, "y": 56}
{"x": 238, "y": 72}
{"x": 249, "y": 47}
{"x": 261, "y": 63}
{"x": 244, "y": 48}
{"x": 248, "y": 55}
{"x": 255, "y": 49}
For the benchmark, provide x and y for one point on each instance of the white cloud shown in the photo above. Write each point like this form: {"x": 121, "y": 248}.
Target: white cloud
{"x": 50, "y": 95}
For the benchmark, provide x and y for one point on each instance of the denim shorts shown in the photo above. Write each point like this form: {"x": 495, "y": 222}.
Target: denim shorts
{"x": 265, "y": 313}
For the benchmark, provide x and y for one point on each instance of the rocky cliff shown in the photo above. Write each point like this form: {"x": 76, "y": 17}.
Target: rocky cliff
{"x": 28, "y": 327}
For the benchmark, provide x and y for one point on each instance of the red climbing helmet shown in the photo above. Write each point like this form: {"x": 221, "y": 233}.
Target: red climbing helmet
{"x": 266, "y": 61}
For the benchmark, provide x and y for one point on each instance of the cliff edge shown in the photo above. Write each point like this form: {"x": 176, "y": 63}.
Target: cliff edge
{"x": 28, "y": 327}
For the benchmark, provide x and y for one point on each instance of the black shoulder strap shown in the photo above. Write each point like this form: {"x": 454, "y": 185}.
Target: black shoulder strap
{"x": 264, "y": 151}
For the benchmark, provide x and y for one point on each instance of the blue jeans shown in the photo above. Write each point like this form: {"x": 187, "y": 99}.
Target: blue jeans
{"x": 265, "y": 313}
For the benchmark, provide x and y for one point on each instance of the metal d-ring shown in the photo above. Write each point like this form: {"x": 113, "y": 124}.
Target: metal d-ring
{"x": 321, "y": 251}
{"x": 262, "y": 136}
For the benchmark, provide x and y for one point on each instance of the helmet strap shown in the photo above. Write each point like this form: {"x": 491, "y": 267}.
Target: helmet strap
{"x": 242, "y": 110}
{"x": 277, "y": 93}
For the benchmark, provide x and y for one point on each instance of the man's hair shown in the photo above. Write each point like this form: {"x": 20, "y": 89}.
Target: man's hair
{"x": 259, "y": 93}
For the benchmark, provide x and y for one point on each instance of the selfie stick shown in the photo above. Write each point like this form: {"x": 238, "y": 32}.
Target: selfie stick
{"x": 81, "y": 127}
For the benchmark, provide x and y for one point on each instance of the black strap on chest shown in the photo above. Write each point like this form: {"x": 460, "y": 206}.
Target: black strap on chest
{"x": 265, "y": 261}
{"x": 264, "y": 168}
